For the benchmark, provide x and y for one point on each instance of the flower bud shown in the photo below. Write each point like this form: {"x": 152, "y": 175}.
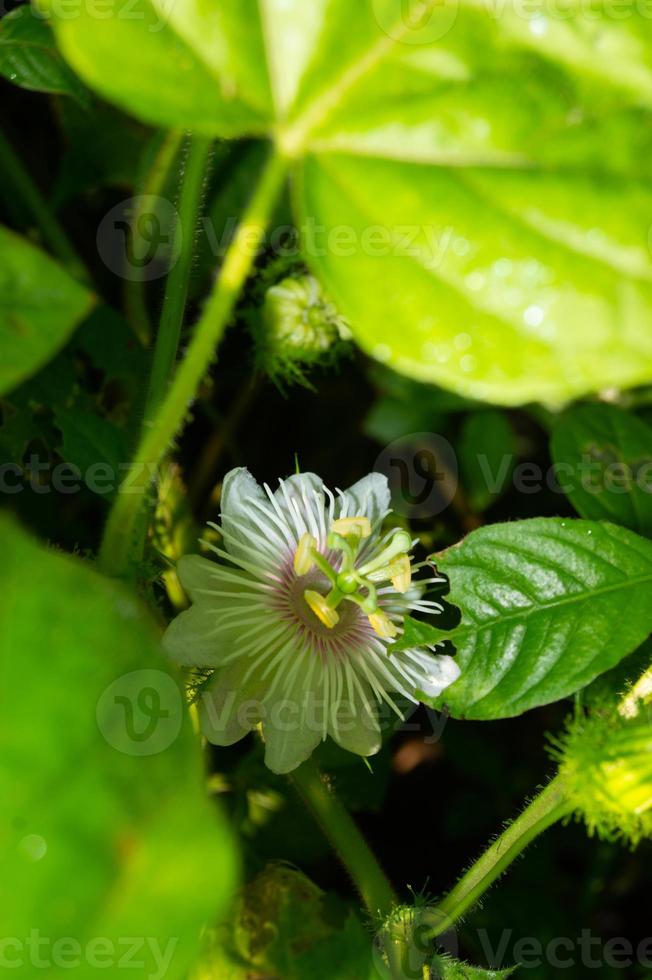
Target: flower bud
{"x": 301, "y": 328}
{"x": 607, "y": 763}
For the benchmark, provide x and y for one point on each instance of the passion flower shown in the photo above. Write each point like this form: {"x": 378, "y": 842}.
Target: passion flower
{"x": 298, "y": 618}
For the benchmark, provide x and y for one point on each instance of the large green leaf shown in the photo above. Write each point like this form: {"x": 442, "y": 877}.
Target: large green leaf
{"x": 106, "y": 831}
{"x": 40, "y": 305}
{"x": 604, "y": 460}
{"x": 547, "y": 605}
{"x": 29, "y": 56}
{"x": 473, "y": 189}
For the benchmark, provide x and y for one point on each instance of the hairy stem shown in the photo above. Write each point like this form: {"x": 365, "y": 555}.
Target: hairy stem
{"x": 152, "y": 185}
{"x": 24, "y": 187}
{"x": 121, "y": 534}
{"x": 176, "y": 287}
{"x": 549, "y": 806}
{"x": 193, "y": 177}
{"x": 347, "y": 841}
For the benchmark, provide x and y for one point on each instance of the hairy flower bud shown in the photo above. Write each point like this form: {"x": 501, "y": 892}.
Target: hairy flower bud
{"x": 607, "y": 763}
{"x": 301, "y": 328}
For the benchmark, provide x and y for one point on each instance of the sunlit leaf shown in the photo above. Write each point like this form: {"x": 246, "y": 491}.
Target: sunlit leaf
{"x": 472, "y": 183}
{"x": 547, "y": 605}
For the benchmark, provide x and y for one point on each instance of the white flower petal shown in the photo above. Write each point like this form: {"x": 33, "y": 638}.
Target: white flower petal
{"x": 436, "y": 671}
{"x": 369, "y": 497}
{"x": 294, "y": 715}
{"x": 202, "y": 578}
{"x": 286, "y": 750}
{"x": 247, "y": 522}
{"x": 291, "y": 729}
{"x": 230, "y": 706}
{"x": 198, "y": 637}
{"x": 353, "y": 723}
{"x": 219, "y": 584}
{"x": 300, "y": 501}
{"x": 195, "y": 573}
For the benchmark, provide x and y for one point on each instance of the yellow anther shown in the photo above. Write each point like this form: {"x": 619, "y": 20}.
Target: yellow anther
{"x": 360, "y": 526}
{"x": 401, "y": 574}
{"x": 383, "y": 625}
{"x": 303, "y": 559}
{"x": 324, "y": 613}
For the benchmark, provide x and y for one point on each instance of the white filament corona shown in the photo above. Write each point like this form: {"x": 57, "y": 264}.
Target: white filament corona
{"x": 299, "y": 615}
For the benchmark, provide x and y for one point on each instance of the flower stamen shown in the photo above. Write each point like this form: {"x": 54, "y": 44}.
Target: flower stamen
{"x": 359, "y": 527}
{"x": 355, "y": 584}
{"x": 304, "y": 560}
{"x": 382, "y": 625}
{"x": 322, "y": 608}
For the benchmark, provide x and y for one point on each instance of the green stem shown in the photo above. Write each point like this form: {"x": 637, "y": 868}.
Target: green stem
{"x": 15, "y": 173}
{"x": 120, "y": 536}
{"x": 152, "y": 185}
{"x": 549, "y": 806}
{"x": 349, "y": 844}
{"x": 193, "y": 170}
{"x": 176, "y": 287}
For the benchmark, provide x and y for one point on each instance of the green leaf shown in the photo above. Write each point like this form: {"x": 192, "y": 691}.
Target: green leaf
{"x": 417, "y": 633}
{"x": 286, "y": 928}
{"x": 41, "y": 306}
{"x": 486, "y": 451}
{"x": 106, "y": 828}
{"x": 56, "y": 410}
{"x": 29, "y": 57}
{"x": 87, "y": 439}
{"x": 447, "y": 968}
{"x": 547, "y": 605}
{"x": 603, "y": 457}
{"x": 200, "y": 67}
{"x": 473, "y": 188}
